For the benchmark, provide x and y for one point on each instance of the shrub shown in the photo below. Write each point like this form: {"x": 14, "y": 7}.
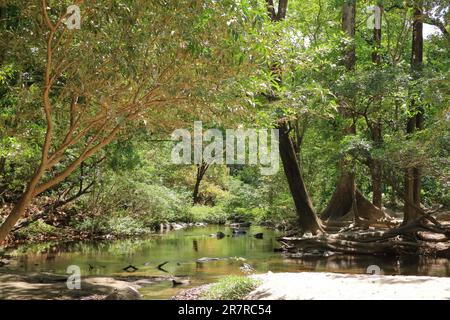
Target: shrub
{"x": 36, "y": 229}
{"x": 93, "y": 225}
{"x": 213, "y": 215}
{"x": 231, "y": 288}
{"x": 242, "y": 196}
{"x": 148, "y": 203}
{"x": 126, "y": 226}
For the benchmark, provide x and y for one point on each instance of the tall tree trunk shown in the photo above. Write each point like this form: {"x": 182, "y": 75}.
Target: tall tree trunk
{"x": 376, "y": 164}
{"x": 308, "y": 220}
{"x": 349, "y": 27}
{"x": 377, "y": 183}
{"x": 343, "y": 197}
{"x": 346, "y": 198}
{"x": 412, "y": 186}
{"x": 201, "y": 170}
{"x": 195, "y": 198}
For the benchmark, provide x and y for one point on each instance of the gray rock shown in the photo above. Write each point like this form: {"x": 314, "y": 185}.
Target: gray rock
{"x": 206, "y": 259}
{"x": 127, "y": 293}
{"x": 200, "y": 224}
{"x": 239, "y": 225}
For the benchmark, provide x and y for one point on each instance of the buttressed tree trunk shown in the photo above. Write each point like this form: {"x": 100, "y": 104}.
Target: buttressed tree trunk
{"x": 415, "y": 122}
{"x": 308, "y": 220}
{"x": 346, "y": 198}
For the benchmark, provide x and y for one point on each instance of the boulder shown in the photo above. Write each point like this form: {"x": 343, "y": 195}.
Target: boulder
{"x": 238, "y": 225}
{"x": 178, "y": 226}
{"x": 127, "y": 293}
{"x": 200, "y": 224}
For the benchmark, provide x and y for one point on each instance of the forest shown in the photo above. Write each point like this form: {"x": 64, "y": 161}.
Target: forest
{"x": 197, "y": 148}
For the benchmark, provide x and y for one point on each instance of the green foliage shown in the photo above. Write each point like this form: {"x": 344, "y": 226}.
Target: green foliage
{"x": 242, "y": 195}
{"x": 212, "y": 215}
{"x": 92, "y": 225}
{"x": 36, "y": 230}
{"x": 116, "y": 224}
{"x": 231, "y": 288}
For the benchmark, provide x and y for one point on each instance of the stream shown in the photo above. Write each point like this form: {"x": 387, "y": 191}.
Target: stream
{"x": 182, "y": 248}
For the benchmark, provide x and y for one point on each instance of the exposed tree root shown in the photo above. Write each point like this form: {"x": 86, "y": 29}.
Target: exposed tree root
{"x": 423, "y": 236}
{"x": 392, "y": 246}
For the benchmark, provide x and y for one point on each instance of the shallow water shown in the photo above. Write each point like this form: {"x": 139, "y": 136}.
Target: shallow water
{"x": 183, "y": 247}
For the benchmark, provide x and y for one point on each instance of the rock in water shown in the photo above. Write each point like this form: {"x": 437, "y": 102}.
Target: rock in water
{"x": 246, "y": 268}
{"x": 220, "y": 235}
{"x": 240, "y": 225}
{"x": 180, "y": 282}
{"x": 206, "y": 259}
{"x": 127, "y": 293}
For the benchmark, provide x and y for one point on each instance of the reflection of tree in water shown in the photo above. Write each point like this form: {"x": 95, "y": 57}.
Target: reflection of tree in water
{"x": 404, "y": 265}
{"x": 434, "y": 267}
{"x": 195, "y": 245}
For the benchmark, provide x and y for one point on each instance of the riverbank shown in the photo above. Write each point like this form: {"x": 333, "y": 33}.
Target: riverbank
{"x": 339, "y": 286}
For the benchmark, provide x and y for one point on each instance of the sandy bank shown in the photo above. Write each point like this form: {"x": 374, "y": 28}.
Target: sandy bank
{"x": 325, "y": 286}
